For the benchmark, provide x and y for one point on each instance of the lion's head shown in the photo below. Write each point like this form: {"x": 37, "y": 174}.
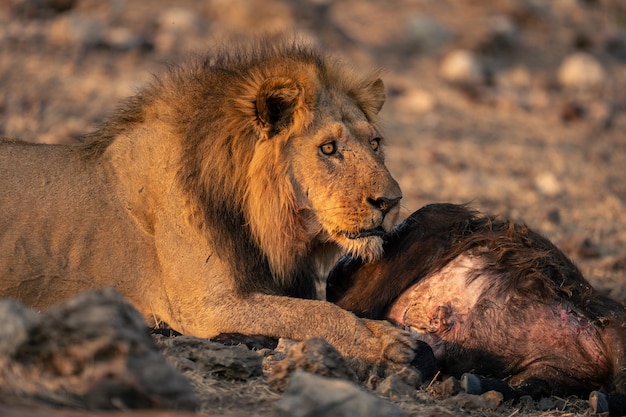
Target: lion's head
{"x": 317, "y": 172}
{"x": 294, "y": 153}
{"x": 282, "y": 157}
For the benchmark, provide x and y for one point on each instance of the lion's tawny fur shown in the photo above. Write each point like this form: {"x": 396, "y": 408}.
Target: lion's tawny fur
{"x": 207, "y": 199}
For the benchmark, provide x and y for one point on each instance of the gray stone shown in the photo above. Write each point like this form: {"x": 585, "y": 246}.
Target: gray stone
{"x": 427, "y": 34}
{"x": 17, "y": 322}
{"x": 232, "y": 362}
{"x": 395, "y": 388}
{"x": 502, "y": 35}
{"x": 78, "y": 30}
{"x": 313, "y": 395}
{"x": 93, "y": 352}
{"x": 314, "y": 355}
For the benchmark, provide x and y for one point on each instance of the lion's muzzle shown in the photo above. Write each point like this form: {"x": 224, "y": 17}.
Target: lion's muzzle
{"x": 384, "y": 204}
{"x": 377, "y": 231}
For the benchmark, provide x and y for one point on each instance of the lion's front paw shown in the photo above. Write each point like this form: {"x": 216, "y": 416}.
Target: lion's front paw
{"x": 396, "y": 345}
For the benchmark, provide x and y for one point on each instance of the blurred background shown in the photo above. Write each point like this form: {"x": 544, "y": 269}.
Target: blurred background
{"x": 518, "y": 106}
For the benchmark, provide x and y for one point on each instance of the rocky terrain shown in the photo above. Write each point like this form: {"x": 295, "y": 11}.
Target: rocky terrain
{"x": 518, "y": 106}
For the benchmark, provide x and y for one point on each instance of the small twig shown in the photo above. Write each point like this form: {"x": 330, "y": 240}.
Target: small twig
{"x": 433, "y": 380}
{"x": 514, "y": 412}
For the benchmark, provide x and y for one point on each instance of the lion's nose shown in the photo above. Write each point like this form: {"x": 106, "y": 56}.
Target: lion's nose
{"x": 383, "y": 204}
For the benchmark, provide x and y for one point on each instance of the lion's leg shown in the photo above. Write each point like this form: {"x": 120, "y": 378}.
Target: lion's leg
{"x": 299, "y": 319}
{"x": 201, "y": 299}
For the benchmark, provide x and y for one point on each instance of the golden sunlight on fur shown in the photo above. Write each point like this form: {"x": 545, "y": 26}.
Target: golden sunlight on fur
{"x": 212, "y": 199}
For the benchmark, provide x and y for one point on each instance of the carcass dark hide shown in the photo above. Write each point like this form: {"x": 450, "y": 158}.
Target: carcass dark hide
{"x": 491, "y": 297}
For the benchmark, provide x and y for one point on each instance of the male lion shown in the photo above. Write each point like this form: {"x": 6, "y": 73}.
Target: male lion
{"x": 212, "y": 199}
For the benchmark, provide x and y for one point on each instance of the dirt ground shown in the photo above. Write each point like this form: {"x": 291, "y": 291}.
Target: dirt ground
{"x": 507, "y": 126}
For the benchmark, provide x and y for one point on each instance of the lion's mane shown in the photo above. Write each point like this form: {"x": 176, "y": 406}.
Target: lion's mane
{"x": 225, "y": 169}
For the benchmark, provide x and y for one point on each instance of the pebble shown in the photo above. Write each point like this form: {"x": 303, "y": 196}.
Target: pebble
{"x": 463, "y": 67}
{"x": 415, "y": 101}
{"x": 490, "y": 400}
{"x": 581, "y": 71}
{"x": 446, "y": 388}
{"x": 395, "y": 388}
{"x": 548, "y": 184}
{"x": 410, "y": 375}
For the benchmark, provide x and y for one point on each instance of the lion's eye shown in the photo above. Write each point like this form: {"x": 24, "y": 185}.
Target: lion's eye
{"x": 328, "y": 148}
{"x": 375, "y": 144}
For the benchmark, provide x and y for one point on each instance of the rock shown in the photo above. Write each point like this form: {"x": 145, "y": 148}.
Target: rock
{"x": 607, "y": 404}
{"x": 446, "y": 388}
{"x": 598, "y": 402}
{"x": 616, "y": 45}
{"x": 463, "y": 68}
{"x": 93, "y": 352}
{"x": 41, "y": 8}
{"x": 526, "y": 402}
{"x": 232, "y": 362}
{"x": 394, "y": 387}
{"x": 572, "y": 111}
{"x": 487, "y": 401}
{"x": 284, "y": 345}
{"x": 312, "y": 395}
{"x": 581, "y": 71}
{"x": 394, "y": 378}
{"x": 426, "y": 34}
{"x": 255, "y": 342}
{"x": 314, "y": 355}
{"x": 491, "y": 400}
{"x": 476, "y": 384}
{"x": 518, "y": 77}
{"x": 415, "y": 101}
{"x": 17, "y": 322}
{"x": 503, "y": 35}
{"x": 546, "y": 403}
{"x": 548, "y": 184}
{"x": 409, "y": 375}
{"x": 602, "y": 114}
{"x": 124, "y": 39}
{"x": 554, "y": 216}
{"x": 78, "y": 30}
{"x": 580, "y": 246}
{"x": 470, "y": 383}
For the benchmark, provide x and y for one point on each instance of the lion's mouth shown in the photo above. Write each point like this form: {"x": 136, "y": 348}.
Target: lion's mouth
{"x": 377, "y": 231}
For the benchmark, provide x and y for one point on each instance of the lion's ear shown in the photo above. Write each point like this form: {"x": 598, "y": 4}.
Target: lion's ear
{"x": 276, "y": 103}
{"x": 377, "y": 90}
